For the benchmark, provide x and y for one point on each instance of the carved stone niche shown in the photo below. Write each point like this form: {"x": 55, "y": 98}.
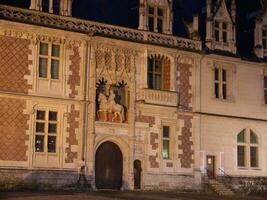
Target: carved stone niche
{"x": 112, "y": 101}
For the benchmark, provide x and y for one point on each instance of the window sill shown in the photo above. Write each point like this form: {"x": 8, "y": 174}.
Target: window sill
{"x": 249, "y": 168}
{"x": 229, "y": 100}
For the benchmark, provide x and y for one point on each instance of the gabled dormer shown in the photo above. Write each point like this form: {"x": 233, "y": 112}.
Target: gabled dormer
{"x": 156, "y": 16}
{"x": 57, "y": 7}
{"x": 260, "y": 35}
{"x": 220, "y": 26}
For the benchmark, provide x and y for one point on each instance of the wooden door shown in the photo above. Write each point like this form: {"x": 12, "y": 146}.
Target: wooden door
{"x": 108, "y": 167}
{"x": 211, "y": 167}
{"x": 137, "y": 174}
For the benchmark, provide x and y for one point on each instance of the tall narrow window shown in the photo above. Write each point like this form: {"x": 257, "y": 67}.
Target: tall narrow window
{"x": 264, "y": 39}
{"x": 220, "y": 83}
{"x": 51, "y": 6}
{"x": 265, "y": 89}
{"x": 224, "y": 32}
{"x": 221, "y": 31}
{"x": 241, "y": 149}
{"x": 46, "y": 128}
{"x": 217, "y": 31}
{"x": 45, "y": 6}
{"x": 253, "y": 149}
{"x": 154, "y": 76}
{"x": 166, "y": 142}
{"x": 56, "y": 7}
{"x": 49, "y": 59}
{"x": 155, "y": 19}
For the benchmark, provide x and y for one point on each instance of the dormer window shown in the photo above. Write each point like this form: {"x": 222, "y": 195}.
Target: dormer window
{"x": 155, "y": 19}
{"x": 264, "y": 39}
{"x": 51, "y": 6}
{"x": 221, "y": 32}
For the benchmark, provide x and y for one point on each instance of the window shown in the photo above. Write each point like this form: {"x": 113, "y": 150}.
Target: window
{"x": 55, "y": 8}
{"x": 221, "y": 32}
{"x": 155, "y": 19}
{"x": 166, "y": 142}
{"x": 247, "y": 149}
{"x": 265, "y": 89}
{"x": 220, "y": 82}
{"x": 49, "y": 60}
{"x": 46, "y": 128}
{"x": 264, "y": 39}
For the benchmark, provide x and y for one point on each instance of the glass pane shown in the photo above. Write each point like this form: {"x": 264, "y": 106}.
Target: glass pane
{"x": 157, "y": 82}
{"x": 39, "y": 143}
{"x": 165, "y": 149}
{"x": 55, "y": 50}
{"x": 216, "y": 90}
{"x": 52, "y": 128}
{"x": 217, "y": 25}
{"x": 150, "y": 80}
{"x": 52, "y": 116}
{"x": 224, "y": 91}
{"x": 43, "y": 67}
{"x": 241, "y": 137}
{"x": 45, "y": 5}
{"x": 43, "y": 49}
{"x": 56, "y": 7}
{"x": 265, "y": 82}
{"x": 160, "y": 26}
{"x": 160, "y": 12}
{"x": 52, "y": 144}
{"x": 158, "y": 66}
{"x": 253, "y": 157}
{"x": 40, "y": 127}
{"x": 151, "y": 23}
{"x": 224, "y": 75}
{"x": 253, "y": 138}
{"x": 151, "y": 10}
{"x": 217, "y": 37}
{"x": 216, "y": 74}
{"x": 40, "y": 115}
{"x": 241, "y": 156}
{"x": 225, "y": 37}
{"x": 54, "y": 69}
{"x": 264, "y": 43}
{"x": 265, "y": 94}
{"x": 224, "y": 26}
{"x": 150, "y": 65}
{"x": 166, "y": 131}
{"x": 264, "y": 33}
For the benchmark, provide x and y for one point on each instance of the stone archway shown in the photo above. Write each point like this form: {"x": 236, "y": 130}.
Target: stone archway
{"x": 108, "y": 166}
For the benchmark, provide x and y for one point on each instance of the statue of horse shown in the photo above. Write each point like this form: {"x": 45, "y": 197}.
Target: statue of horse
{"x": 116, "y": 109}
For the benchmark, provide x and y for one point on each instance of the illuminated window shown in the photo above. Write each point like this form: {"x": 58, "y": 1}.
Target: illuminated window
{"x": 221, "y": 31}
{"x": 49, "y": 60}
{"x": 46, "y": 128}
{"x": 155, "y": 19}
{"x": 166, "y": 142}
{"x": 220, "y": 82}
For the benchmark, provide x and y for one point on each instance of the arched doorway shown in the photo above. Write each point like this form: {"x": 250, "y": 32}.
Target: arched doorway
{"x": 137, "y": 174}
{"x": 108, "y": 166}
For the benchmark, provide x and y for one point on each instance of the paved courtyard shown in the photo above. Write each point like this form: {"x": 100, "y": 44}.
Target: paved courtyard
{"x": 112, "y": 195}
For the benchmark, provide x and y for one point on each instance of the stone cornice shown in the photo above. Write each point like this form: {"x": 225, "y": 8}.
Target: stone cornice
{"x": 85, "y": 26}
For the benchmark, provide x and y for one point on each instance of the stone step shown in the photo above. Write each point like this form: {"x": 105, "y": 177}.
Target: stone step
{"x": 220, "y": 188}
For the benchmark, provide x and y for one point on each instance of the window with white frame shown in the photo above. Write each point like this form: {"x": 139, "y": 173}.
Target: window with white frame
{"x": 220, "y": 82}
{"x": 265, "y": 89}
{"x": 264, "y": 39}
{"x": 221, "y": 31}
{"x": 166, "y": 142}
{"x": 51, "y": 6}
{"x": 49, "y": 60}
{"x": 155, "y": 19}
{"x": 247, "y": 149}
{"x": 46, "y": 131}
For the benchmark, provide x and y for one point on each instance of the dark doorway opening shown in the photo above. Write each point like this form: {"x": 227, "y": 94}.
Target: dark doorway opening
{"x": 108, "y": 166}
{"x": 137, "y": 174}
{"x": 211, "y": 167}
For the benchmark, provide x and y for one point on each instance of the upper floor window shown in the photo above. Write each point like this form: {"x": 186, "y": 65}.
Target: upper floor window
{"x": 220, "y": 83}
{"x": 158, "y": 73}
{"x": 46, "y": 128}
{"x": 265, "y": 89}
{"x": 155, "y": 19}
{"x": 51, "y": 6}
{"x": 247, "y": 149}
{"x": 221, "y": 32}
{"x": 264, "y": 39}
{"x": 49, "y": 60}
{"x": 166, "y": 142}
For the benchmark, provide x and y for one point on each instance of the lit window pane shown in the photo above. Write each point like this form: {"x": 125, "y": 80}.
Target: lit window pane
{"x": 40, "y": 115}
{"x": 43, "y": 49}
{"x": 165, "y": 149}
{"x": 52, "y": 128}
{"x": 241, "y": 136}
{"x": 158, "y": 82}
{"x": 253, "y": 157}
{"x": 253, "y": 137}
{"x": 39, "y": 143}
{"x": 166, "y": 131}
{"x": 43, "y": 67}
{"x": 54, "y": 69}
{"x": 51, "y": 144}
{"x": 55, "y": 50}
{"x": 52, "y": 116}
{"x": 241, "y": 156}
{"x": 40, "y": 127}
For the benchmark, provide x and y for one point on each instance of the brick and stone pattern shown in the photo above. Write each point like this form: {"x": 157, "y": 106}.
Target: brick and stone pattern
{"x": 14, "y": 64}
{"x": 73, "y": 126}
{"x": 74, "y": 77}
{"x": 13, "y": 127}
{"x": 145, "y": 119}
{"x": 154, "y": 146}
{"x": 184, "y": 85}
{"x": 186, "y": 144}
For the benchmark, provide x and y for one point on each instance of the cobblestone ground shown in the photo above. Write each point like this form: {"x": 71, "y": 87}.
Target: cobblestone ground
{"x": 112, "y": 195}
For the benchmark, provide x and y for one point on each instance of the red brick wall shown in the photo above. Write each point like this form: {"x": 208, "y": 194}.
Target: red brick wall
{"x": 74, "y": 77}
{"x": 14, "y": 64}
{"x": 13, "y": 127}
{"x": 186, "y": 144}
{"x": 73, "y": 124}
{"x": 145, "y": 119}
{"x": 155, "y": 146}
{"x": 184, "y": 86}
